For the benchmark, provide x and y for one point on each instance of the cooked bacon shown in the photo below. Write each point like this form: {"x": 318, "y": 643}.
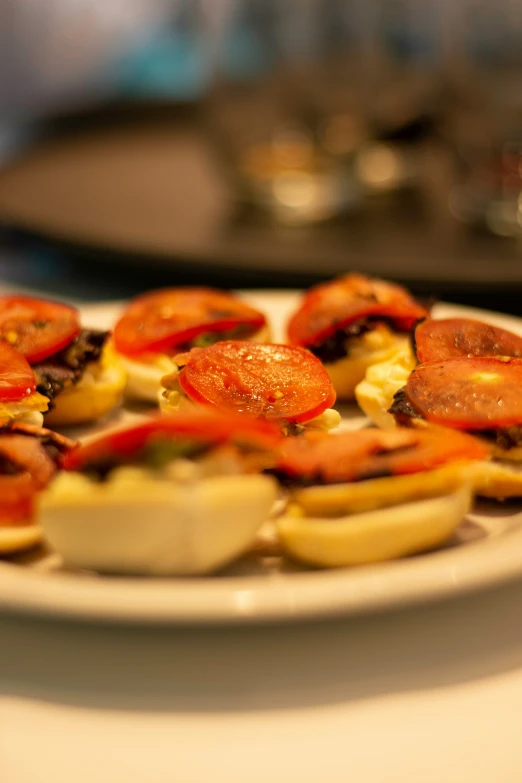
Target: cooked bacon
{"x": 62, "y": 443}
{"x": 29, "y": 457}
{"x": 29, "y": 468}
{"x": 65, "y": 368}
{"x": 337, "y": 345}
{"x": 402, "y": 409}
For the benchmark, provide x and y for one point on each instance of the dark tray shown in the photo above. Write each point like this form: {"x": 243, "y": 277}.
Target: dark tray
{"x": 142, "y": 191}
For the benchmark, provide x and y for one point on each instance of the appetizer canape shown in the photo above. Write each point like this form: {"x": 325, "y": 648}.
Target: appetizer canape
{"x": 160, "y": 324}
{"x": 366, "y": 496}
{"x": 352, "y": 323}
{"x": 480, "y": 395}
{"x": 282, "y": 383}
{"x": 174, "y": 495}
{"x": 29, "y": 457}
{"x": 76, "y": 370}
{"x": 433, "y": 340}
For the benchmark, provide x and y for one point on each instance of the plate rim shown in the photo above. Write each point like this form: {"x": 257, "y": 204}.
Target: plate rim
{"x": 265, "y": 599}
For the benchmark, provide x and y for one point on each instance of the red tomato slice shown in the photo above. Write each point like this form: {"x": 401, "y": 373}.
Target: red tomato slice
{"x": 470, "y": 394}
{"x": 18, "y": 513}
{"x": 16, "y": 376}
{"x": 161, "y": 320}
{"x": 333, "y": 306}
{"x": 16, "y": 489}
{"x": 372, "y": 453}
{"x": 463, "y": 337}
{"x": 37, "y": 328}
{"x": 205, "y": 426}
{"x": 272, "y": 381}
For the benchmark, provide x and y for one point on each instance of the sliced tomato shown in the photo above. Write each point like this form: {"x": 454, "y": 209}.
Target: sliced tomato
{"x": 37, "y": 328}
{"x": 17, "y": 379}
{"x": 470, "y": 394}
{"x": 17, "y": 488}
{"x": 162, "y": 320}
{"x": 372, "y": 453}
{"x": 271, "y": 381}
{"x": 333, "y": 306}
{"x": 205, "y": 426}
{"x": 17, "y": 513}
{"x": 449, "y": 338}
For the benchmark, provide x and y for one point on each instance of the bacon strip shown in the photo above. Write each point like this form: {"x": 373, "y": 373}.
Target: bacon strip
{"x": 46, "y": 436}
{"x": 29, "y": 457}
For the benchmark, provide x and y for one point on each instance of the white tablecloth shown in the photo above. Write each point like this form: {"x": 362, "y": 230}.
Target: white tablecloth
{"x": 423, "y": 696}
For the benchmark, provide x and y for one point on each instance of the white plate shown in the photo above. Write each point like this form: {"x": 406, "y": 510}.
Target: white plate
{"x": 486, "y": 551}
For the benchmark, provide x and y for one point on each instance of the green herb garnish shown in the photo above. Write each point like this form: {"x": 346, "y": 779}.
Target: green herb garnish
{"x": 160, "y": 452}
{"x": 156, "y": 454}
{"x": 211, "y": 338}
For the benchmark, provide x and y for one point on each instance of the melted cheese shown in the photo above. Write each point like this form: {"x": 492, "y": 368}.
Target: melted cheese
{"x": 29, "y": 410}
{"x": 326, "y": 421}
{"x": 377, "y": 345}
{"x": 375, "y": 393}
{"x": 144, "y": 378}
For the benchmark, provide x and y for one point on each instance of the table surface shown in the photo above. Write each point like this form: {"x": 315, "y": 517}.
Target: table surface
{"x": 432, "y": 694}
{"x": 428, "y": 694}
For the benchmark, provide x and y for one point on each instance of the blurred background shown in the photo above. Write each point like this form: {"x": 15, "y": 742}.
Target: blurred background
{"x": 269, "y": 143}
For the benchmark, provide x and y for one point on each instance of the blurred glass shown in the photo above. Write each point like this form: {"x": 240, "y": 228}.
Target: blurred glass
{"x": 283, "y": 107}
{"x": 484, "y": 111}
{"x": 314, "y": 108}
{"x": 312, "y": 100}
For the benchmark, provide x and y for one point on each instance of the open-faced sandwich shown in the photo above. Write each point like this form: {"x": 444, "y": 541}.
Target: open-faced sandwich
{"x": 29, "y": 458}
{"x": 78, "y": 378}
{"x": 480, "y": 395}
{"x": 158, "y": 325}
{"x": 174, "y": 495}
{"x": 432, "y": 340}
{"x": 352, "y": 323}
{"x": 372, "y": 495}
{"x": 281, "y": 383}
